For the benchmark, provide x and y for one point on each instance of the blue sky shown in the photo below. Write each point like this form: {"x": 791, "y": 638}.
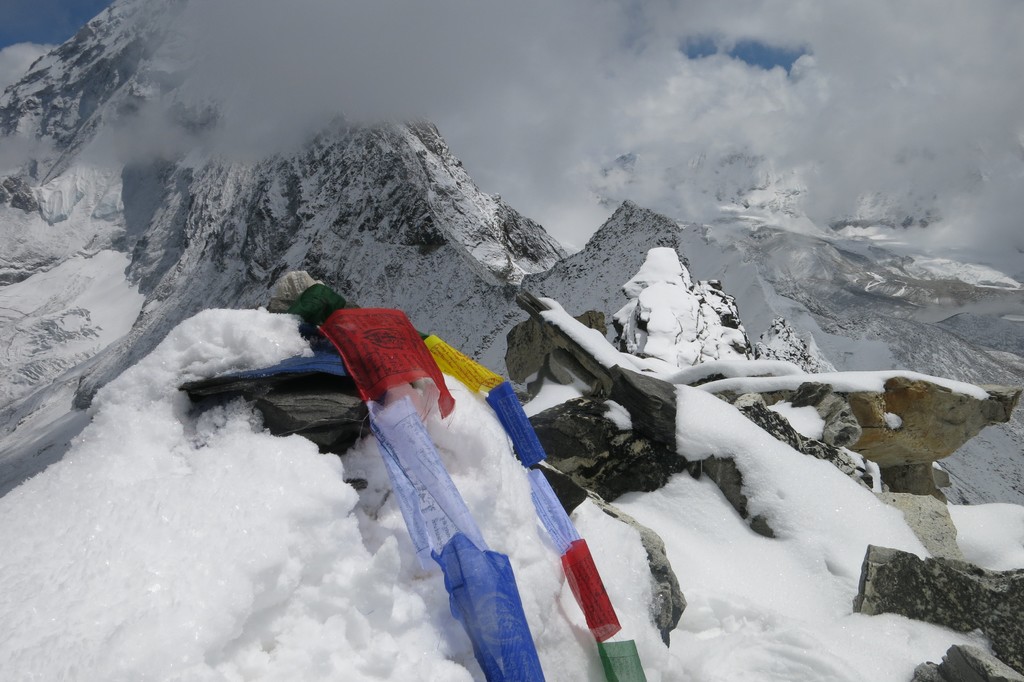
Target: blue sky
{"x": 45, "y": 21}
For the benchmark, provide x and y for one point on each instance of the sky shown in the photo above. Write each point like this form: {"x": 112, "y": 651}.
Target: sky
{"x": 859, "y": 110}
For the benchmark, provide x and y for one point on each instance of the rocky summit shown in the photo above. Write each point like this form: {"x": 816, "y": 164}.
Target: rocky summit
{"x": 769, "y": 439}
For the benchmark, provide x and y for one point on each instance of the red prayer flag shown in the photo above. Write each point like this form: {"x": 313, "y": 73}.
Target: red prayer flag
{"x": 587, "y": 587}
{"x": 381, "y": 350}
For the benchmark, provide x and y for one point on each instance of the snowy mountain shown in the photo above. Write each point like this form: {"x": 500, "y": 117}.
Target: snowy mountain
{"x": 384, "y": 212}
{"x": 149, "y": 538}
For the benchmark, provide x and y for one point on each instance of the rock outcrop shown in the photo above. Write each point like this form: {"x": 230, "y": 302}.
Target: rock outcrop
{"x": 966, "y": 664}
{"x": 915, "y": 422}
{"x": 674, "y": 319}
{"x": 582, "y": 442}
{"x": 325, "y": 409}
{"x": 531, "y": 352}
{"x": 16, "y": 193}
{"x": 949, "y": 593}
{"x": 782, "y": 342}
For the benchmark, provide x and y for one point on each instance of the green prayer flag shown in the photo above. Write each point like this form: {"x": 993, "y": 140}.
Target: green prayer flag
{"x": 316, "y": 304}
{"x": 621, "y": 662}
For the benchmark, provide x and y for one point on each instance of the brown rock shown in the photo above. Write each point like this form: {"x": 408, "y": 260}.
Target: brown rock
{"x": 935, "y": 420}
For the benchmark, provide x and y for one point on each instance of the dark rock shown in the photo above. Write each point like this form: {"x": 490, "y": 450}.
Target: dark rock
{"x": 949, "y": 593}
{"x": 966, "y": 664}
{"x": 841, "y": 427}
{"x": 531, "y": 343}
{"x": 917, "y": 479}
{"x": 753, "y": 408}
{"x": 668, "y": 602}
{"x": 724, "y": 472}
{"x": 651, "y": 403}
{"x": 16, "y": 193}
{"x": 323, "y": 408}
{"x": 569, "y": 493}
{"x": 528, "y": 346}
{"x": 591, "y": 449}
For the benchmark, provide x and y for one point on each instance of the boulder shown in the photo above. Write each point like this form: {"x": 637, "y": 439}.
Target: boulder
{"x": 966, "y": 664}
{"x": 753, "y": 407}
{"x": 915, "y": 421}
{"x": 916, "y": 479}
{"x": 582, "y": 442}
{"x": 929, "y": 518}
{"x": 17, "y": 194}
{"x": 671, "y": 317}
{"x": 325, "y": 409}
{"x": 668, "y": 602}
{"x": 949, "y": 593}
{"x": 530, "y": 344}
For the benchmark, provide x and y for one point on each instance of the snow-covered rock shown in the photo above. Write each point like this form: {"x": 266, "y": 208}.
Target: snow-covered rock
{"x": 672, "y": 318}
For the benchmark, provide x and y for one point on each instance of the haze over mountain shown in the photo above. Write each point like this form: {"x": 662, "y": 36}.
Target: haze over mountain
{"x": 872, "y": 113}
{"x": 163, "y": 168}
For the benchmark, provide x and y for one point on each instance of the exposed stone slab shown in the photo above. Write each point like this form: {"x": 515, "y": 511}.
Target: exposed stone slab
{"x": 325, "y": 409}
{"x": 966, "y": 664}
{"x": 527, "y": 354}
{"x": 949, "y": 593}
{"x": 933, "y": 421}
{"x": 668, "y": 601}
{"x": 591, "y": 449}
{"x": 929, "y": 518}
{"x": 916, "y": 479}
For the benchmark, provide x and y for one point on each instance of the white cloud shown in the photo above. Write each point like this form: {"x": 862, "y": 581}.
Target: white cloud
{"x": 15, "y": 60}
{"x": 902, "y": 97}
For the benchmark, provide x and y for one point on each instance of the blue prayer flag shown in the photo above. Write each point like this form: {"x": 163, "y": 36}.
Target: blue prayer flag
{"x": 505, "y": 404}
{"x": 483, "y": 597}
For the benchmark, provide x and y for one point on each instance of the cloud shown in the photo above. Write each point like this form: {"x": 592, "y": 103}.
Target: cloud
{"x": 15, "y": 60}
{"x": 894, "y": 105}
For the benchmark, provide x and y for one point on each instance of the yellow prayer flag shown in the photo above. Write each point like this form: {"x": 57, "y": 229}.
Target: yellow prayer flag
{"x": 465, "y": 369}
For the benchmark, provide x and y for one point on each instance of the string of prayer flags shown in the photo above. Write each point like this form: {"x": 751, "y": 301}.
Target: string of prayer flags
{"x": 316, "y": 304}
{"x": 482, "y": 591}
{"x": 551, "y": 512}
{"x": 501, "y": 397}
{"x": 454, "y": 363}
{"x": 440, "y": 510}
{"x": 483, "y": 597}
{"x": 588, "y": 588}
{"x": 506, "y": 405}
{"x": 382, "y": 350}
{"x": 621, "y": 661}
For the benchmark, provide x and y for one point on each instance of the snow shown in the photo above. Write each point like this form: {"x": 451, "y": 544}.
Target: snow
{"x": 977, "y": 275}
{"x": 991, "y": 535}
{"x": 618, "y": 415}
{"x": 550, "y": 395}
{"x": 805, "y": 420}
{"x": 66, "y": 314}
{"x": 842, "y": 382}
{"x": 176, "y": 542}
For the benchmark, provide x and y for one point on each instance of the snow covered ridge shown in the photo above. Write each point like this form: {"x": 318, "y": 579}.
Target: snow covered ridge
{"x": 190, "y": 544}
{"x": 196, "y": 545}
{"x": 671, "y": 318}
